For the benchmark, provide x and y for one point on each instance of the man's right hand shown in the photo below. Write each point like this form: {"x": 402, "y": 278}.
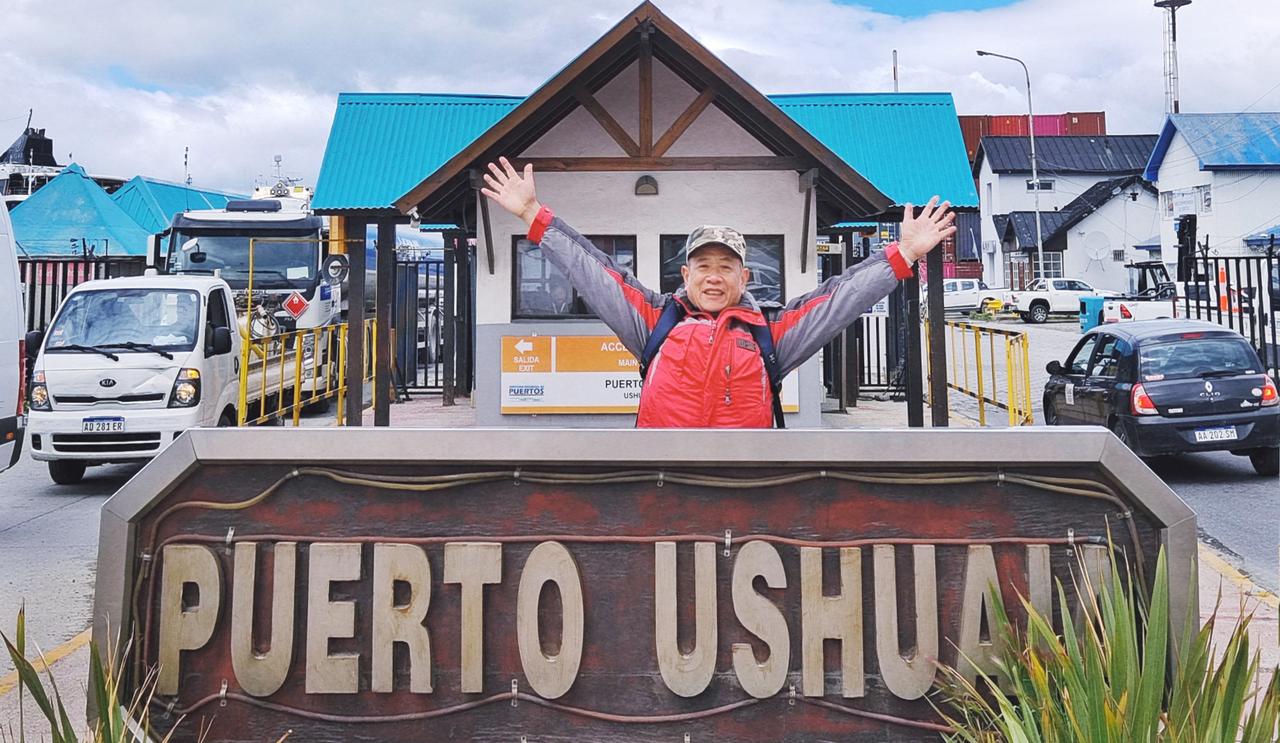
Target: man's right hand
{"x": 513, "y": 191}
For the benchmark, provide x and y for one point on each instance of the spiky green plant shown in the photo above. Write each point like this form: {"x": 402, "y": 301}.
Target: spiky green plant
{"x": 1107, "y": 679}
{"x": 115, "y": 723}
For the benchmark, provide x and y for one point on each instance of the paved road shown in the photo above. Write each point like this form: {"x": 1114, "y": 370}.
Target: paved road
{"x": 48, "y": 549}
{"x": 1239, "y": 512}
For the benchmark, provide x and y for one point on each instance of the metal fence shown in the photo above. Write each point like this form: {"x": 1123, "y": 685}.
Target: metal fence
{"x": 1238, "y": 292}
{"x": 282, "y": 374}
{"x": 992, "y": 367}
{"x": 418, "y": 311}
{"x": 48, "y": 280}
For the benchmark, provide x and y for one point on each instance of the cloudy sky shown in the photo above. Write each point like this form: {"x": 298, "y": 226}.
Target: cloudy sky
{"x": 123, "y": 87}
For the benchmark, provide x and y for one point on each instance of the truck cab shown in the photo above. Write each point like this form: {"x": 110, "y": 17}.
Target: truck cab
{"x": 272, "y": 247}
{"x": 129, "y": 364}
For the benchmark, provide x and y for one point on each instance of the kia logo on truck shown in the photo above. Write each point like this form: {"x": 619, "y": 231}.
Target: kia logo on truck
{"x": 108, "y": 382}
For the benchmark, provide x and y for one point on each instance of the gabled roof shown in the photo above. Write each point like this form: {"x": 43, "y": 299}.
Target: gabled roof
{"x": 1022, "y": 226}
{"x": 72, "y": 214}
{"x": 1001, "y": 222}
{"x": 1248, "y": 141}
{"x": 1058, "y": 223}
{"x": 152, "y": 203}
{"x": 909, "y": 145}
{"x": 612, "y": 52}
{"x": 1109, "y": 154}
{"x": 383, "y": 144}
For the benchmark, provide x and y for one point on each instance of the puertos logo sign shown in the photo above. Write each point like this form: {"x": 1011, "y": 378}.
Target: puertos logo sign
{"x": 604, "y": 585}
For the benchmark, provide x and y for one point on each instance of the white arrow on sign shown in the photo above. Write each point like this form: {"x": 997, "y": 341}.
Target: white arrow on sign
{"x": 523, "y": 346}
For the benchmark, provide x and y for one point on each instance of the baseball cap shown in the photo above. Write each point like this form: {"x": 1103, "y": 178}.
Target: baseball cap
{"x": 710, "y": 234}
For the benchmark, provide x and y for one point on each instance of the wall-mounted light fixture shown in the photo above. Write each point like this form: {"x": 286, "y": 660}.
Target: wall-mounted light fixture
{"x": 646, "y": 185}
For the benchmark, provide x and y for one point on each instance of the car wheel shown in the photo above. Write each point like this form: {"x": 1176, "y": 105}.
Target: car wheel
{"x": 1026, "y": 316}
{"x": 1121, "y": 433}
{"x": 1039, "y": 313}
{"x": 1050, "y": 413}
{"x": 226, "y": 420}
{"x": 1266, "y": 462}
{"x": 66, "y": 471}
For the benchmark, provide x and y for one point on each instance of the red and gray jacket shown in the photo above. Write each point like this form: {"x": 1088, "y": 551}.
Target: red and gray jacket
{"x": 709, "y": 373}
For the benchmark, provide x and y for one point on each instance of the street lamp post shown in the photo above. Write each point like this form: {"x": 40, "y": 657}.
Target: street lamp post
{"x": 1035, "y": 176}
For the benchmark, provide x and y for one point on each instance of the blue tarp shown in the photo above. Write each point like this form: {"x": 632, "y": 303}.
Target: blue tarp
{"x": 72, "y": 216}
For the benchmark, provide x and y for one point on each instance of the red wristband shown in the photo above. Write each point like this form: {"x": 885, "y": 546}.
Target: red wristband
{"x": 540, "y": 223}
{"x": 901, "y": 269}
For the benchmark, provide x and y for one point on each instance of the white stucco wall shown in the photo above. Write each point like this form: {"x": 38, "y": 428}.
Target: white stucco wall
{"x": 1117, "y": 225}
{"x": 1244, "y": 201}
{"x": 1009, "y": 194}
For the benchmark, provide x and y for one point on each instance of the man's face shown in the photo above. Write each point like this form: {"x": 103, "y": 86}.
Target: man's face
{"x": 714, "y": 278}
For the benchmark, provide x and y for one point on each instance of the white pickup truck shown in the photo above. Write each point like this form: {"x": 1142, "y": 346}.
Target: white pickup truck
{"x": 1051, "y": 297}
{"x": 128, "y": 364}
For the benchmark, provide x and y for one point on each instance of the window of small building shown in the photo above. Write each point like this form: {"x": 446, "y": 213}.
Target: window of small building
{"x": 764, "y": 260}
{"x": 541, "y": 292}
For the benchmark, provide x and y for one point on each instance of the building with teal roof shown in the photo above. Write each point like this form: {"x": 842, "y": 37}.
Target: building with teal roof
{"x": 72, "y": 216}
{"x": 636, "y": 141}
{"x": 152, "y": 203}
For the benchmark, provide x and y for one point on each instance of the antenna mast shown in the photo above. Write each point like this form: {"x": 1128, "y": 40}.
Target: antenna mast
{"x": 1171, "y": 104}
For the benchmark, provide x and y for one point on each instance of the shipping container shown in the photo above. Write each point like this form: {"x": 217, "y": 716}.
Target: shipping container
{"x": 974, "y": 128}
{"x": 1088, "y": 123}
{"x": 1007, "y": 126}
{"x": 1051, "y": 125}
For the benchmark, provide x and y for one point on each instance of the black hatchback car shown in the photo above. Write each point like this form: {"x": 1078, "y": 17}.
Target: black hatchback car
{"x": 1170, "y": 387}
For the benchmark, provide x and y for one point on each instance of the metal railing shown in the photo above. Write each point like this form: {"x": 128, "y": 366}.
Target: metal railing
{"x": 282, "y": 374}
{"x": 992, "y": 372}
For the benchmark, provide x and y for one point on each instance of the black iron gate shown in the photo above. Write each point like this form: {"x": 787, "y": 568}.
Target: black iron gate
{"x": 868, "y": 356}
{"x": 1239, "y": 292}
{"x": 433, "y": 310}
{"x": 418, "y": 309}
{"x": 48, "y": 280}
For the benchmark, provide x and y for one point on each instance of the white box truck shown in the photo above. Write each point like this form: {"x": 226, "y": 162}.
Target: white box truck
{"x": 129, "y": 364}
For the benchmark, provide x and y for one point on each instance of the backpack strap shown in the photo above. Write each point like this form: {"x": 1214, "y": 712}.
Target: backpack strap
{"x": 763, "y": 336}
{"x": 672, "y": 313}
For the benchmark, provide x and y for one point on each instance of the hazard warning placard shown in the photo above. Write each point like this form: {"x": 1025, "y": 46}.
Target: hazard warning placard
{"x": 579, "y": 374}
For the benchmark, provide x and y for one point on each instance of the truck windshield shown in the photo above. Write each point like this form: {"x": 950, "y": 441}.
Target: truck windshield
{"x": 279, "y": 265}
{"x": 126, "y": 321}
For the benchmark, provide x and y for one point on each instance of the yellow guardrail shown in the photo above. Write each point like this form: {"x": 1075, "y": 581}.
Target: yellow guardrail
{"x": 283, "y": 373}
{"x": 992, "y": 372}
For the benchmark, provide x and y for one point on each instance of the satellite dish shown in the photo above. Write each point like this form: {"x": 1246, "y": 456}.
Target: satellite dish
{"x": 1098, "y": 247}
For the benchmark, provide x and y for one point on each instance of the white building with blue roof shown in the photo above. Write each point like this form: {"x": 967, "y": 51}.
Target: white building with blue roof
{"x": 1218, "y": 177}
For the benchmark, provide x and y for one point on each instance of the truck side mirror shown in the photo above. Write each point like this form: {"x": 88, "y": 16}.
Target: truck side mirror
{"x": 1054, "y": 367}
{"x": 34, "y": 340}
{"x": 335, "y": 268}
{"x": 220, "y": 342}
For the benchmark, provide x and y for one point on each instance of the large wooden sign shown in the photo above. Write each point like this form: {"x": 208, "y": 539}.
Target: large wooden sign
{"x": 602, "y": 585}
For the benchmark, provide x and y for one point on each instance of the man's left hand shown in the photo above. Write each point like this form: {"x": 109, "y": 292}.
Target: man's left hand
{"x": 922, "y": 233}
